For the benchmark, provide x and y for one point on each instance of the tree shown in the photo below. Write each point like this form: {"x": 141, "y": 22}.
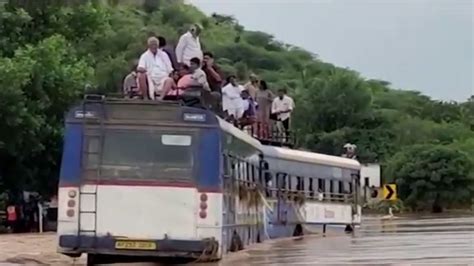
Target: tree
{"x": 432, "y": 176}
{"x": 50, "y": 49}
{"x": 43, "y": 81}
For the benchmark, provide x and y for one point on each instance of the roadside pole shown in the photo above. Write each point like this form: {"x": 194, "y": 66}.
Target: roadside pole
{"x": 40, "y": 217}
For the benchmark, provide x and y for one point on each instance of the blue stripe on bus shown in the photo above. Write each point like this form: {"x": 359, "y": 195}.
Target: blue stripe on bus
{"x": 71, "y": 160}
{"x": 209, "y": 160}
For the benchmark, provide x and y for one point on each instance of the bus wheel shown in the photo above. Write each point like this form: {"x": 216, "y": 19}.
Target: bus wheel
{"x": 236, "y": 243}
{"x": 73, "y": 255}
{"x": 298, "y": 230}
{"x": 93, "y": 259}
{"x": 348, "y": 229}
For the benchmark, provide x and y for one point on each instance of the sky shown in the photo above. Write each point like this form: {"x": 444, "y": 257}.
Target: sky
{"x": 424, "y": 45}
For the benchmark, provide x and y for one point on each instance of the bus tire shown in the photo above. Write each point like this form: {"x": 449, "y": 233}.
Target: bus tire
{"x": 236, "y": 242}
{"x": 298, "y": 230}
{"x": 348, "y": 229}
{"x": 93, "y": 259}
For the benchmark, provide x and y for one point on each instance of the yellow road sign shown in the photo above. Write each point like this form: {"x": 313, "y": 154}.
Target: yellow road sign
{"x": 389, "y": 192}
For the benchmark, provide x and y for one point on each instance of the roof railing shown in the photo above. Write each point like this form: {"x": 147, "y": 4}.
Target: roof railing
{"x": 271, "y": 134}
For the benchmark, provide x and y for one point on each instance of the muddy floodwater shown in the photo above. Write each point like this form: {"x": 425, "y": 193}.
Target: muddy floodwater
{"x": 404, "y": 240}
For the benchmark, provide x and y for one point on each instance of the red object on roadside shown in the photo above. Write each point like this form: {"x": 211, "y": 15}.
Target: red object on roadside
{"x": 11, "y": 213}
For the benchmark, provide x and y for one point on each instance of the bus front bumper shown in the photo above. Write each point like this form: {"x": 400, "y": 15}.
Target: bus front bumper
{"x": 75, "y": 245}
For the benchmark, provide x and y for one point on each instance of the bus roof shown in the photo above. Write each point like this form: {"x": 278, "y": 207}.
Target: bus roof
{"x": 310, "y": 157}
{"x": 139, "y": 111}
{"x": 231, "y": 129}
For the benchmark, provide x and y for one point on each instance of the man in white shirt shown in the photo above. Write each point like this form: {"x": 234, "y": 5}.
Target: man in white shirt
{"x": 282, "y": 107}
{"x": 189, "y": 46}
{"x": 156, "y": 65}
{"x": 232, "y": 102}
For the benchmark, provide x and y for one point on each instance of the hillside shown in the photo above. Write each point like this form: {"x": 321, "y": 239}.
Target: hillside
{"x": 48, "y": 53}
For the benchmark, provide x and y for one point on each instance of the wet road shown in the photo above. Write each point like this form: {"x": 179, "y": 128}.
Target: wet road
{"x": 446, "y": 239}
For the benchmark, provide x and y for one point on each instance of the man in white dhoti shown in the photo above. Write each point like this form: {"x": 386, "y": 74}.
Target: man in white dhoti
{"x": 232, "y": 102}
{"x": 154, "y": 67}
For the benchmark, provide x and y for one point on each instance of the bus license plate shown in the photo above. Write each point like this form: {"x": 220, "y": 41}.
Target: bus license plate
{"x": 141, "y": 245}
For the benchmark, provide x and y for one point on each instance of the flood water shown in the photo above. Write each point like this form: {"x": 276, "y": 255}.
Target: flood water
{"x": 447, "y": 240}
{"x": 408, "y": 240}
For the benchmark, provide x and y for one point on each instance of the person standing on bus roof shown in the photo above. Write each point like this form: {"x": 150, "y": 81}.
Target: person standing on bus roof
{"x": 282, "y": 106}
{"x": 252, "y": 86}
{"x": 231, "y": 99}
{"x": 168, "y": 50}
{"x": 213, "y": 72}
{"x": 189, "y": 46}
{"x": 248, "y": 105}
{"x": 264, "y": 101}
{"x": 154, "y": 67}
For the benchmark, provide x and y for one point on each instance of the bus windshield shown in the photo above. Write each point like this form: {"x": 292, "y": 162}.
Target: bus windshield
{"x": 146, "y": 154}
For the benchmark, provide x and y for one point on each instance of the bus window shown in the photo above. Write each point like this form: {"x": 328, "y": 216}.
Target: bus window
{"x": 311, "y": 187}
{"x": 341, "y": 187}
{"x": 248, "y": 172}
{"x": 92, "y": 149}
{"x": 150, "y": 154}
{"x": 269, "y": 184}
{"x": 300, "y": 183}
{"x": 290, "y": 183}
{"x": 238, "y": 169}
{"x": 225, "y": 162}
{"x": 321, "y": 185}
{"x": 253, "y": 173}
{"x": 281, "y": 180}
{"x": 331, "y": 188}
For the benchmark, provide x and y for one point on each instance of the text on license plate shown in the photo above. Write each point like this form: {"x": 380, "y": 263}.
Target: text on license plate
{"x": 143, "y": 245}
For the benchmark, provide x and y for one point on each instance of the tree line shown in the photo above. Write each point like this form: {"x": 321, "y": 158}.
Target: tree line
{"x": 50, "y": 50}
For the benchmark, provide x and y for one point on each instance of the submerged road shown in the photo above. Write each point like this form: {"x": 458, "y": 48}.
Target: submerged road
{"x": 444, "y": 239}
{"x": 448, "y": 240}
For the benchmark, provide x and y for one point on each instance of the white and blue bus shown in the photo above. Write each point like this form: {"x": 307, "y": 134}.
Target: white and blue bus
{"x": 317, "y": 191}
{"x": 159, "y": 179}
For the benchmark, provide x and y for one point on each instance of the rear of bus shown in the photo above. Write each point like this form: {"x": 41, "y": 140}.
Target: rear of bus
{"x": 140, "y": 179}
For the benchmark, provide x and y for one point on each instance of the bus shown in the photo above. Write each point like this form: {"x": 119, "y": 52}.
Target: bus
{"x": 164, "y": 179}
{"x": 311, "y": 192}
{"x": 147, "y": 178}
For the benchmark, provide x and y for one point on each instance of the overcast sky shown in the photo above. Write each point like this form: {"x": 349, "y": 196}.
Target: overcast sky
{"x": 424, "y": 45}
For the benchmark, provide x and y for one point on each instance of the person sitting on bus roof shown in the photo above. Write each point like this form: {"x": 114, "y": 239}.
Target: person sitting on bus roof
{"x": 189, "y": 45}
{"x": 185, "y": 77}
{"x": 154, "y": 67}
{"x": 130, "y": 85}
{"x": 213, "y": 72}
{"x": 171, "y": 91}
{"x": 249, "y": 116}
{"x": 198, "y": 75}
{"x": 231, "y": 99}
